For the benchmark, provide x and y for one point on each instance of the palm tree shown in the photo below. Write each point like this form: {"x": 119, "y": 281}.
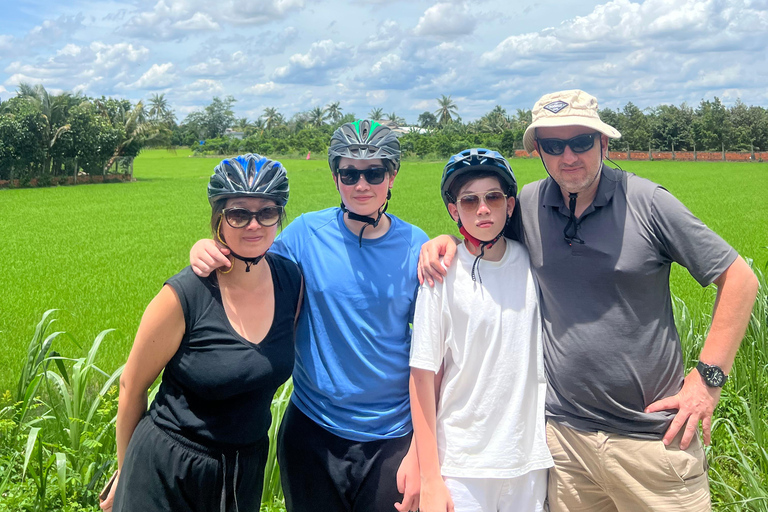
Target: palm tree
{"x": 159, "y": 112}
{"x": 53, "y": 111}
{"x": 272, "y": 118}
{"x": 495, "y": 121}
{"x": 241, "y": 124}
{"x": 317, "y": 117}
{"x": 395, "y": 119}
{"x": 333, "y": 111}
{"x": 376, "y": 113}
{"x": 523, "y": 118}
{"x": 447, "y": 108}
{"x": 134, "y": 128}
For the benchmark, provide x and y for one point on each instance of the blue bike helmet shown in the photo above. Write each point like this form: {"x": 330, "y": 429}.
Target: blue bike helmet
{"x": 249, "y": 175}
{"x": 474, "y": 160}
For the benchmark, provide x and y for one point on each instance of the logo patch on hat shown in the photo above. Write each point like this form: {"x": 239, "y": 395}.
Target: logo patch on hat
{"x": 555, "y": 106}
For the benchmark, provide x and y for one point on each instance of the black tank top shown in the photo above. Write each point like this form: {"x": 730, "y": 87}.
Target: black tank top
{"x": 218, "y": 387}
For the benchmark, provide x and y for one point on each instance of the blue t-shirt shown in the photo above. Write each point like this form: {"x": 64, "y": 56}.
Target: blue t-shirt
{"x": 353, "y": 338}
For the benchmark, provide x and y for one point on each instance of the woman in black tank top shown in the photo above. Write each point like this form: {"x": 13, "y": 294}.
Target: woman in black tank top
{"x": 225, "y": 344}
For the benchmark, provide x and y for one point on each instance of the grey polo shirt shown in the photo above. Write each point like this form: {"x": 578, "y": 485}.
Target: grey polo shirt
{"x": 610, "y": 343}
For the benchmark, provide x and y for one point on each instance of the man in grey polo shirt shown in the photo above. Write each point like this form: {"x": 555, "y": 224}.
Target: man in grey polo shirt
{"x": 622, "y": 416}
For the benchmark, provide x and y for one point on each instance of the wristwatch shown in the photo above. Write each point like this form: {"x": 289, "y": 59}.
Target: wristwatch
{"x": 713, "y": 375}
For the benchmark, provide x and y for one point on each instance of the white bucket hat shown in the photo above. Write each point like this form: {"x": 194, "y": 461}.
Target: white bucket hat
{"x": 566, "y": 108}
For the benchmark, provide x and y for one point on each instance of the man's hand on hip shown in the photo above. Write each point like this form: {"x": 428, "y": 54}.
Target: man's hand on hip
{"x": 695, "y": 403}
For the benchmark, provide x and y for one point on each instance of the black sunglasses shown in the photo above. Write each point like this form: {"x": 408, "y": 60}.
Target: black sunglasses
{"x": 240, "y": 217}
{"x": 373, "y": 175}
{"x": 578, "y": 144}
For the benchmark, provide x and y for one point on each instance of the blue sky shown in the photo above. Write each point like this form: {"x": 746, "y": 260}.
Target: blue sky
{"x": 396, "y": 54}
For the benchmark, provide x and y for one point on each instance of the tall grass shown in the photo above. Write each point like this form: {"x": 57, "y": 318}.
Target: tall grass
{"x": 738, "y": 455}
{"x": 58, "y": 431}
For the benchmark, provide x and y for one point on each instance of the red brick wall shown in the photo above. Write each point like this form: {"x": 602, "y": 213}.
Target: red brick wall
{"x": 703, "y": 156}
{"x": 68, "y": 180}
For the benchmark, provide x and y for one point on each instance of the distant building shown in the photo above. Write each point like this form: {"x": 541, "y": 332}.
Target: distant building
{"x": 229, "y": 132}
{"x": 401, "y": 129}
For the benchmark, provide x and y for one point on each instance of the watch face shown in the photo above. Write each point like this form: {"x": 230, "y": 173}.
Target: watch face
{"x": 714, "y": 377}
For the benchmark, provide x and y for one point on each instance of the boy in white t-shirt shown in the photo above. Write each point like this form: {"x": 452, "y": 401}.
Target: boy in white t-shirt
{"x": 477, "y": 376}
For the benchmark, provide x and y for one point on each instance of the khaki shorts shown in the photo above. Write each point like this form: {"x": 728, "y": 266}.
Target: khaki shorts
{"x": 603, "y": 472}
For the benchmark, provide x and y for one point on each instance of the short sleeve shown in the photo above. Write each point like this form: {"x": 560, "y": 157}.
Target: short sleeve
{"x": 288, "y": 243}
{"x": 687, "y": 241}
{"x": 185, "y": 284}
{"x": 429, "y": 331}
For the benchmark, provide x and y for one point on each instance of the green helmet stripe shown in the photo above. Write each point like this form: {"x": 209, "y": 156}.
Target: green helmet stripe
{"x": 356, "y": 124}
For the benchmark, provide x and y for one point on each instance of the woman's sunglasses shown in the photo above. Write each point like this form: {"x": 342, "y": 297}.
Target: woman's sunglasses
{"x": 471, "y": 202}
{"x": 240, "y": 217}
{"x": 579, "y": 144}
{"x": 373, "y": 175}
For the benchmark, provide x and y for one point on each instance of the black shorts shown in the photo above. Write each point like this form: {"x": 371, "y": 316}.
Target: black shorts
{"x": 164, "y": 471}
{"x": 320, "y": 471}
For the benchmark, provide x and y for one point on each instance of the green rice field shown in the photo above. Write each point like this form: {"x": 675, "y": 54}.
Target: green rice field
{"x": 100, "y": 252}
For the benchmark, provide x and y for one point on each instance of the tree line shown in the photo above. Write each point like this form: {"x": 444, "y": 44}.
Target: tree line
{"x": 44, "y": 135}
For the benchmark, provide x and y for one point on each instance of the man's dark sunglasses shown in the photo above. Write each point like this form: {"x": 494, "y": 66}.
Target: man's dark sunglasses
{"x": 240, "y": 217}
{"x": 373, "y": 175}
{"x": 578, "y": 144}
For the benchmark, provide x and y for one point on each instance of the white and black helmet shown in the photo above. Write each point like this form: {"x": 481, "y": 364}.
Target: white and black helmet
{"x": 364, "y": 140}
{"x": 249, "y": 175}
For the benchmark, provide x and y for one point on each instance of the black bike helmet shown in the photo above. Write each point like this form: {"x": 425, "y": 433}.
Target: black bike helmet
{"x": 364, "y": 140}
{"x": 249, "y": 175}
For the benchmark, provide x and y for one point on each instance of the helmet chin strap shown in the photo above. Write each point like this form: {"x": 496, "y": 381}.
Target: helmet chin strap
{"x": 368, "y": 221}
{"x": 248, "y": 261}
{"x": 482, "y": 245}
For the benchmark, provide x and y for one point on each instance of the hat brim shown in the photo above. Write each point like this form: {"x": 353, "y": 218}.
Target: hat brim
{"x": 553, "y": 122}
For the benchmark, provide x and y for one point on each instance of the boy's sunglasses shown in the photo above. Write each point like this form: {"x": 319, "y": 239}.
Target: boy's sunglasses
{"x": 373, "y": 175}
{"x": 240, "y": 217}
{"x": 578, "y": 144}
{"x": 471, "y": 202}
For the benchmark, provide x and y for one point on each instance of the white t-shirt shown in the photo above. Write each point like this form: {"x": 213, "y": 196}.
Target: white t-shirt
{"x": 490, "y": 416}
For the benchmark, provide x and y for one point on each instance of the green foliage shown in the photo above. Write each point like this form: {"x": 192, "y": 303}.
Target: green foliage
{"x": 46, "y": 136}
{"x": 58, "y": 432}
{"x": 739, "y": 455}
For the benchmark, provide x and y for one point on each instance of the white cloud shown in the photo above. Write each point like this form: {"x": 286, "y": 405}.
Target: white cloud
{"x": 81, "y": 66}
{"x": 156, "y": 77}
{"x": 621, "y": 26}
{"x": 231, "y": 64}
{"x": 388, "y": 36}
{"x": 376, "y": 97}
{"x": 446, "y": 21}
{"x": 198, "y": 21}
{"x": 6, "y": 44}
{"x": 110, "y": 56}
{"x": 315, "y": 66}
{"x": 265, "y": 89}
{"x": 176, "y": 19}
{"x": 51, "y": 31}
{"x": 202, "y": 89}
